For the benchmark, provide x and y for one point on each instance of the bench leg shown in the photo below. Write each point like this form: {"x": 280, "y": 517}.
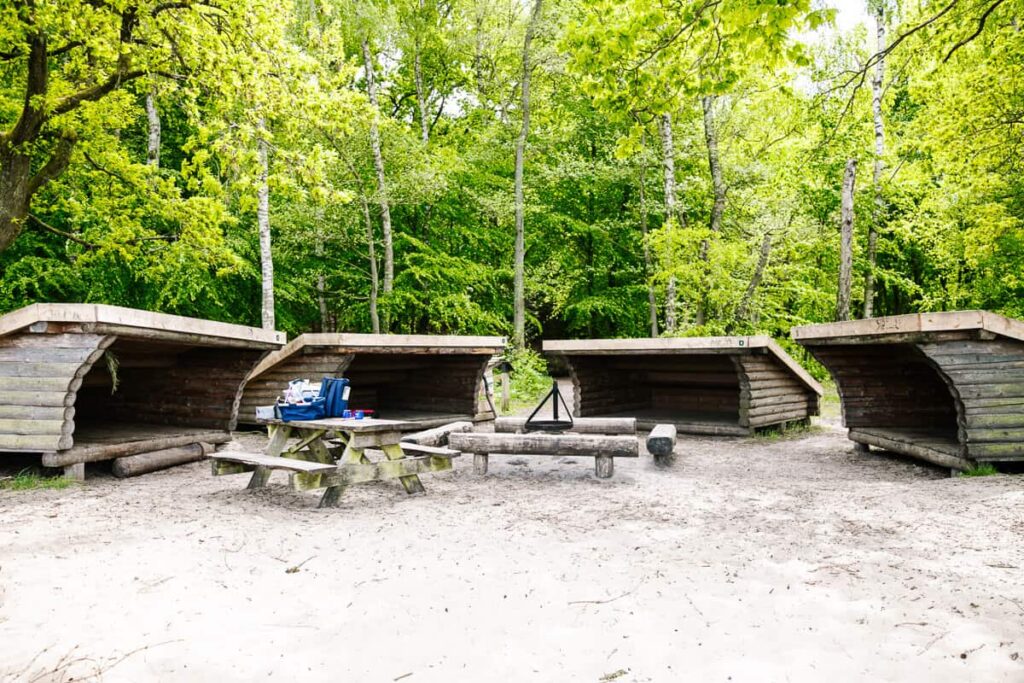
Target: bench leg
{"x": 260, "y": 477}
{"x": 604, "y": 466}
{"x": 861, "y": 447}
{"x": 332, "y": 497}
{"x": 411, "y": 483}
{"x": 480, "y": 463}
{"x": 664, "y": 460}
{"x": 75, "y": 472}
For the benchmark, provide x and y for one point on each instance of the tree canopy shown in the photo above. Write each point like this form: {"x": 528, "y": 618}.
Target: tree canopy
{"x": 138, "y": 138}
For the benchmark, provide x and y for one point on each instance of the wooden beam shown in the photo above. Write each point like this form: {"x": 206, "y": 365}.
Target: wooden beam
{"x": 580, "y": 425}
{"x": 438, "y": 436}
{"x": 134, "y": 465}
{"x": 97, "y": 452}
{"x": 546, "y": 444}
{"x": 661, "y": 442}
{"x": 347, "y": 474}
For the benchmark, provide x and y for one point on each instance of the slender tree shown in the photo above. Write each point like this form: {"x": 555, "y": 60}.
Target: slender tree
{"x": 519, "y": 275}
{"x": 153, "y": 119}
{"x": 378, "y": 165}
{"x": 673, "y": 214}
{"x": 878, "y": 207}
{"x": 717, "y": 186}
{"x": 263, "y": 223}
{"x": 652, "y": 302}
{"x": 846, "y": 242}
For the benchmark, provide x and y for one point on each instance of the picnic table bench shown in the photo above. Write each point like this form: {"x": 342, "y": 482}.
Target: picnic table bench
{"x": 313, "y": 462}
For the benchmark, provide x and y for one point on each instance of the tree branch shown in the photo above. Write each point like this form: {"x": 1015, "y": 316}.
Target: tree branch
{"x": 56, "y": 164}
{"x": 977, "y": 32}
{"x": 67, "y": 235}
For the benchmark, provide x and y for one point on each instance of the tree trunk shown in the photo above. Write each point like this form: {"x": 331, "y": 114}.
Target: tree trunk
{"x": 421, "y": 101}
{"x": 718, "y": 188}
{"x": 714, "y": 163}
{"x": 652, "y": 302}
{"x": 519, "y": 275}
{"x": 878, "y": 209}
{"x": 371, "y": 245}
{"x": 153, "y": 117}
{"x": 378, "y": 165}
{"x": 846, "y": 243}
{"x": 668, "y": 154}
{"x": 743, "y": 309}
{"x": 321, "y": 280}
{"x": 263, "y": 222}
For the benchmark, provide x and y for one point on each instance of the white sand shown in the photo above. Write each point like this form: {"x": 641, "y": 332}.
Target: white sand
{"x": 749, "y": 560}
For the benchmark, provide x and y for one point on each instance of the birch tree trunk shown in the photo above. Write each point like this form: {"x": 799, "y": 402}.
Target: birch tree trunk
{"x": 378, "y": 165}
{"x": 652, "y": 302}
{"x": 668, "y": 155}
{"x": 421, "y": 101}
{"x": 846, "y": 242}
{"x": 371, "y": 245}
{"x": 878, "y": 208}
{"x": 263, "y": 222}
{"x": 519, "y": 276}
{"x": 153, "y": 117}
{"x": 718, "y": 188}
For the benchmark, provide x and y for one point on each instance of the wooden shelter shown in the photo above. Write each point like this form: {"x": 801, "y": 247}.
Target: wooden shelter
{"x": 82, "y": 382}
{"x": 944, "y": 387}
{"x": 702, "y": 385}
{"x": 427, "y": 379}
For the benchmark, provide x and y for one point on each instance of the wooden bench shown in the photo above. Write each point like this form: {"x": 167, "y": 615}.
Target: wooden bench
{"x": 604, "y": 449}
{"x": 237, "y": 462}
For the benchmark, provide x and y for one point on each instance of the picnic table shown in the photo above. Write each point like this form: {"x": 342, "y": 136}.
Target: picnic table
{"x": 332, "y": 454}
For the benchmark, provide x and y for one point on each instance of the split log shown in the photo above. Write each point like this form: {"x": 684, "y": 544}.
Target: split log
{"x": 134, "y": 465}
{"x": 581, "y": 425}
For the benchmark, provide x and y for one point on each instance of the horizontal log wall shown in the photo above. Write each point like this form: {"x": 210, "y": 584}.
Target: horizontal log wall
{"x": 599, "y": 388}
{"x": 40, "y": 376}
{"x": 770, "y": 394}
{"x": 987, "y": 377}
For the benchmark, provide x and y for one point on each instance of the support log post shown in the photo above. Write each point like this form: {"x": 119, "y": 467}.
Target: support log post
{"x": 604, "y": 466}
{"x": 480, "y": 463}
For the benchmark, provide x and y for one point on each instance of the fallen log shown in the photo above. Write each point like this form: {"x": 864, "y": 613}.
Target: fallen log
{"x": 134, "y": 465}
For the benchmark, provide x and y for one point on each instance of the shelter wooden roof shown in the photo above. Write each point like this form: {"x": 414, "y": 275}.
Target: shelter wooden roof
{"x": 689, "y": 345}
{"x": 345, "y": 343}
{"x": 922, "y": 325}
{"x": 130, "y": 322}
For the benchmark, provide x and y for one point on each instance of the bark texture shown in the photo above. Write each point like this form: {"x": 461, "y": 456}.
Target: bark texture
{"x": 668, "y": 155}
{"x": 378, "y": 165}
{"x": 263, "y": 223}
{"x": 153, "y": 118}
{"x": 846, "y": 242}
{"x": 718, "y": 188}
{"x": 878, "y": 209}
{"x": 371, "y": 245}
{"x": 519, "y": 276}
{"x": 743, "y": 309}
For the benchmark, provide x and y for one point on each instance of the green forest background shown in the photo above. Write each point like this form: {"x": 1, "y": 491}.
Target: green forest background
{"x": 682, "y": 162}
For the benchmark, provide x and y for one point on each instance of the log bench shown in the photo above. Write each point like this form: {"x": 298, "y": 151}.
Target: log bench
{"x": 604, "y": 449}
{"x": 661, "y": 443}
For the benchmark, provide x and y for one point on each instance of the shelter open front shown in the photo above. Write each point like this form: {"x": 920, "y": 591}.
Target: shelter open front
{"x": 702, "y": 385}
{"x": 891, "y": 395}
{"x": 424, "y": 379}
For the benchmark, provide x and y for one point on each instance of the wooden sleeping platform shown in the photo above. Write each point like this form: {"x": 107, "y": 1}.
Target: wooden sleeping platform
{"x": 946, "y": 387}
{"x": 422, "y": 379}
{"x": 702, "y": 385}
{"x": 83, "y": 383}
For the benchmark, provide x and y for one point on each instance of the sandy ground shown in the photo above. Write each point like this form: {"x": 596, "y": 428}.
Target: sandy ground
{"x": 750, "y": 560}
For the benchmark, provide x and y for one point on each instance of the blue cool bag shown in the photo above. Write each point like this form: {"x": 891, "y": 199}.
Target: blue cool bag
{"x": 294, "y": 412}
{"x": 334, "y": 391}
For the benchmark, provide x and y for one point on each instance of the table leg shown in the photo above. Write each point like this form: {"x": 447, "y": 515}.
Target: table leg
{"x": 411, "y": 483}
{"x": 331, "y": 497}
{"x": 278, "y": 439}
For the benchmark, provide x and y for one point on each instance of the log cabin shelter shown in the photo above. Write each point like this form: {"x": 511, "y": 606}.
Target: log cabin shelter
{"x": 429, "y": 380}
{"x": 83, "y": 382}
{"x": 702, "y": 385}
{"x": 943, "y": 387}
